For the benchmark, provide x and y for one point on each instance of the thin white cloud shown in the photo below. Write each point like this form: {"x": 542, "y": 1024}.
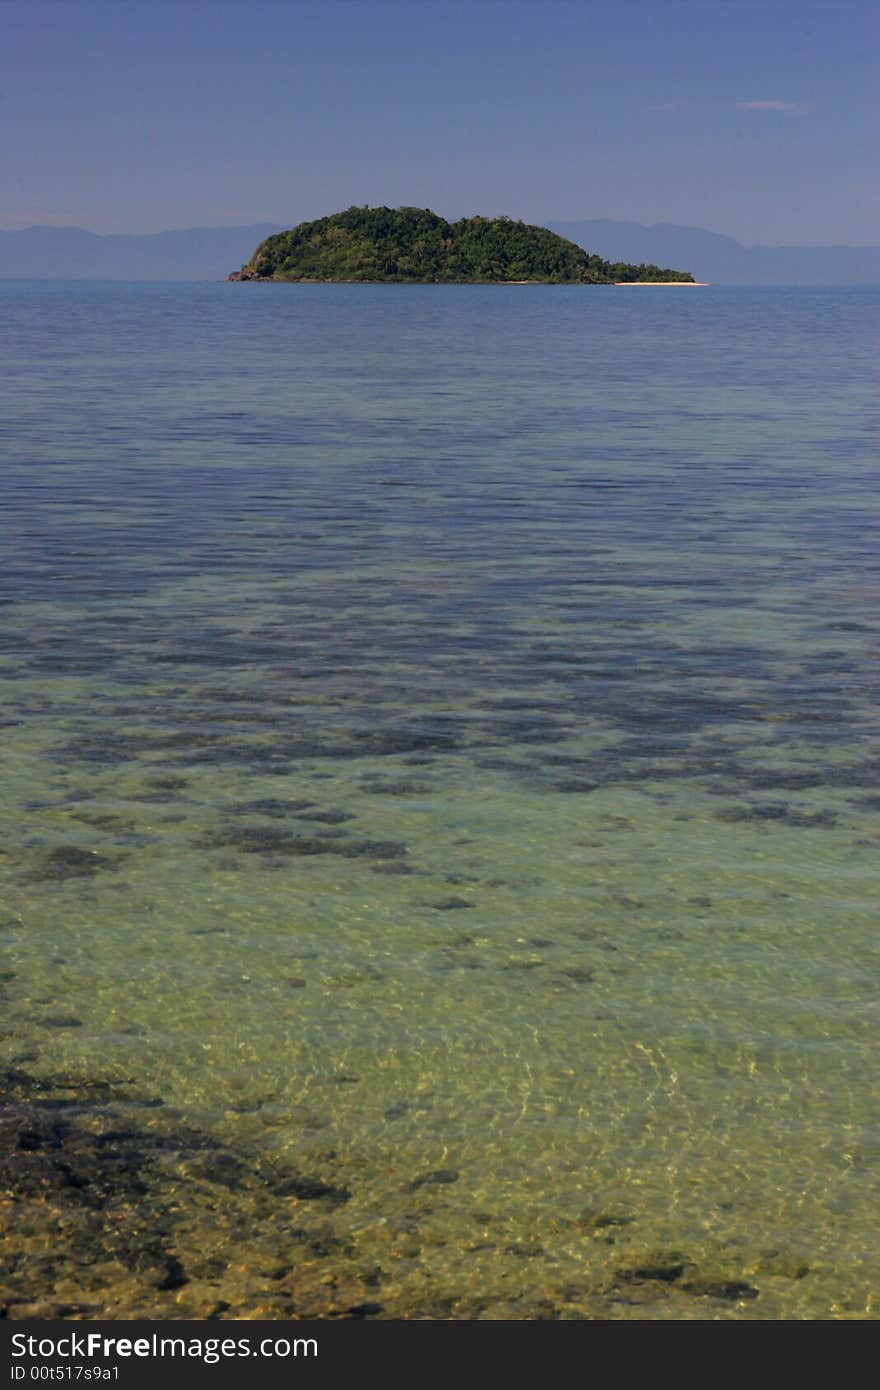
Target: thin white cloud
{"x": 770, "y": 106}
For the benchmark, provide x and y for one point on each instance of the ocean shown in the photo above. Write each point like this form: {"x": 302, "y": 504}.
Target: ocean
{"x": 437, "y": 802}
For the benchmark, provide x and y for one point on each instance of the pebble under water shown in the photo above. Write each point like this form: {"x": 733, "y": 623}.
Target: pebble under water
{"x": 439, "y": 783}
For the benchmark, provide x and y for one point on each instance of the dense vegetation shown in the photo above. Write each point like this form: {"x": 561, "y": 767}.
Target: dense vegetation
{"x": 415, "y": 244}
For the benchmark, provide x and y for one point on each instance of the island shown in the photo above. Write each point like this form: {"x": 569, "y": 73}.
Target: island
{"x": 416, "y": 246}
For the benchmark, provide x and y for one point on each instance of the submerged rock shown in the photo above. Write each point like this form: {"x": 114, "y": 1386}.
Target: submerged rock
{"x": 438, "y": 1178}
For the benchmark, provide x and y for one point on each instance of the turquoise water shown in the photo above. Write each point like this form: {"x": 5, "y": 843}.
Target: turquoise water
{"x": 437, "y": 874}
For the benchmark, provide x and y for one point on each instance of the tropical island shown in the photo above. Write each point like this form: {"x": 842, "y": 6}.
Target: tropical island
{"x": 416, "y": 246}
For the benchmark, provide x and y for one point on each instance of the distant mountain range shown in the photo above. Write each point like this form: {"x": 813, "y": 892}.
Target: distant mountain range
{"x": 210, "y": 253}
{"x": 721, "y": 260}
{"x": 69, "y": 253}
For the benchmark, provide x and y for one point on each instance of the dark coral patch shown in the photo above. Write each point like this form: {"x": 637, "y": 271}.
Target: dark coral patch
{"x": 70, "y": 861}
{"x": 778, "y": 811}
{"x": 273, "y": 840}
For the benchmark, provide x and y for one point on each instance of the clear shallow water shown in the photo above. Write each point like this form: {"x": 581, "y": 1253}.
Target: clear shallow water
{"x": 437, "y": 801}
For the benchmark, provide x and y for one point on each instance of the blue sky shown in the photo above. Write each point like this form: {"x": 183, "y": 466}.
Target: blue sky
{"x": 753, "y": 117}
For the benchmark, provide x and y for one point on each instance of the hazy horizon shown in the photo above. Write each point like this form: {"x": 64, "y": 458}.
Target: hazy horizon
{"x": 248, "y": 222}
